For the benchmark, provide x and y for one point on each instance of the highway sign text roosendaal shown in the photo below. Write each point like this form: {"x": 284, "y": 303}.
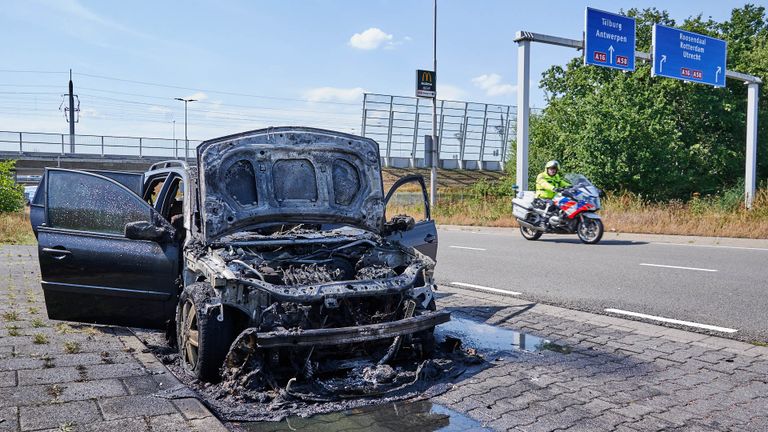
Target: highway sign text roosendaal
{"x": 688, "y": 56}
{"x": 609, "y": 40}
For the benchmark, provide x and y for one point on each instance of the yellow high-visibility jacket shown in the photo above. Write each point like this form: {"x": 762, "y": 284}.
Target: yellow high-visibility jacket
{"x": 546, "y": 184}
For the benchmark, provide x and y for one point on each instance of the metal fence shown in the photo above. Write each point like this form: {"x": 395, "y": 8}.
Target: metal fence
{"x": 95, "y": 145}
{"x": 473, "y": 135}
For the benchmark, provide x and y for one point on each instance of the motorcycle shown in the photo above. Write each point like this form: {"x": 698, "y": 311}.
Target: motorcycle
{"x": 572, "y": 210}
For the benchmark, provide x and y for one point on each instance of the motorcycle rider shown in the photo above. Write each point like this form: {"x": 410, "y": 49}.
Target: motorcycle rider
{"x": 549, "y": 182}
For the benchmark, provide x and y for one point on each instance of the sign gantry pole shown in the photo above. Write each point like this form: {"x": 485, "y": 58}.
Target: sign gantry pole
{"x": 750, "y": 185}
{"x": 523, "y": 113}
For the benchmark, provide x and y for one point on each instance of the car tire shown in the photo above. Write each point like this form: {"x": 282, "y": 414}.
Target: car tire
{"x": 203, "y": 340}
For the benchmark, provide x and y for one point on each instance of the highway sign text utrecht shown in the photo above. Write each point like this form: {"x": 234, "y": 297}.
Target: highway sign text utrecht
{"x": 688, "y": 56}
{"x": 609, "y": 40}
{"x": 425, "y": 83}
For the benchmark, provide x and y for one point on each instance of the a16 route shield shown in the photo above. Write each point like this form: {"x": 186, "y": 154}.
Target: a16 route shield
{"x": 688, "y": 56}
{"x": 609, "y": 40}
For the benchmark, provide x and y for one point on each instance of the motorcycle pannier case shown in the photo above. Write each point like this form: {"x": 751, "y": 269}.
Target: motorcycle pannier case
{"x": 523, "y": 205}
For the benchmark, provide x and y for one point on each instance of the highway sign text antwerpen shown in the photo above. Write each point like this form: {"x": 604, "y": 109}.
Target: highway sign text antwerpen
{"x": 688, "y": 56}
{"x": 609, "y": 40}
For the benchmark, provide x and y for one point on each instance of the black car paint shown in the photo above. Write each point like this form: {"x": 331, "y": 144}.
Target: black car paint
{"x": 109, "y": 280}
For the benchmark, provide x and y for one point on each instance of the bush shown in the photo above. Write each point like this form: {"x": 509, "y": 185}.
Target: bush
{"x": 11, "y": 194}
{"x": 496, "y": 188}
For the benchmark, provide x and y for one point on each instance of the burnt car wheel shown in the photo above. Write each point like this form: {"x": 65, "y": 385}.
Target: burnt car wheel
{"x": 203, "y": 340}
{"x": 426, "y": 338}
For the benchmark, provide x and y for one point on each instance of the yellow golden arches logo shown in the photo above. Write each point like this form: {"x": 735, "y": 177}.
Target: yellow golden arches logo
{"x": 426, "y": 76}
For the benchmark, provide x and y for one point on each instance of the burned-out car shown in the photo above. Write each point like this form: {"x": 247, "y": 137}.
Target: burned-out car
{"x": 276, "y": 243}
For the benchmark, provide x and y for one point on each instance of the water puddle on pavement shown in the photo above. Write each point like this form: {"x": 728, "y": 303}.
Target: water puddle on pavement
{"x": 417, "y": 416}
{"x": 484, "y": 337}
{"x": 397, "y": 416}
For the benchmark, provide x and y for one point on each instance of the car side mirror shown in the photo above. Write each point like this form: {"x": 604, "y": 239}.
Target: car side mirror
{"x": 143, "y": 230}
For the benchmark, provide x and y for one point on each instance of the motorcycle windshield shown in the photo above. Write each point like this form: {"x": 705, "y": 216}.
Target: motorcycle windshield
{"x": 585, "y": 189}
{"x": 578, "y": 180}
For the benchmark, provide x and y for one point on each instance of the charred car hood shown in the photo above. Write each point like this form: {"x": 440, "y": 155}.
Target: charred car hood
{"x": 291, "y": 175}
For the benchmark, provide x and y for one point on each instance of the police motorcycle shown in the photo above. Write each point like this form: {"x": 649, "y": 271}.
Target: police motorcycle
{"x": 572, "y": 210}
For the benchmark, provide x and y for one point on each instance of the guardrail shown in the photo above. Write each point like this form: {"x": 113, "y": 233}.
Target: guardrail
{"x": 94, "y": 145}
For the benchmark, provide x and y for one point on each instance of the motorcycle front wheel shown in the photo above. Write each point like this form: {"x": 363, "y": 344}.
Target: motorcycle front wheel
{"x": 530, "y": 234}
{"x": 590, "y": 231}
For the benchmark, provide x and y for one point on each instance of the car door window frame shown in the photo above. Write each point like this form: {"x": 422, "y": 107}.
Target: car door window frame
{"x": 410, "y": 179}
{"x": 170, "y": 190}
{"x": 148, "y": 186}
{"x": 189, "y": 192}
{"x": 154, "y": 216}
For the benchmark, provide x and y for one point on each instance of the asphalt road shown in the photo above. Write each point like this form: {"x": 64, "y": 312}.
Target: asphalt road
{"x": 698, "y": 280}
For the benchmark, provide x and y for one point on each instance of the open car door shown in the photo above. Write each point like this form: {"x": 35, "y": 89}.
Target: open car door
{"x": 106, "y": 256}
{"x": 408, "y": 194}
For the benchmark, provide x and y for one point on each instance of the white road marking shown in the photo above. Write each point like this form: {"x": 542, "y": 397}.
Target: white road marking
{"x": 468, "y": 248}
{"x": 485, "y": 288}
{"x": 672, "y": 321}
{"x": 677, "y": 267}
{"x": 715, "y": 246}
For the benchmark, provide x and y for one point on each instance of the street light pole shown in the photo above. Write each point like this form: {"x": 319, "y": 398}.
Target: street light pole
{"x": 186, "y": 139}
{"x": 435, "y": 143}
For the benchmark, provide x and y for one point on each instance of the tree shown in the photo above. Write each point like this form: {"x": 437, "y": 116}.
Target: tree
{"x": 11, "y": 194}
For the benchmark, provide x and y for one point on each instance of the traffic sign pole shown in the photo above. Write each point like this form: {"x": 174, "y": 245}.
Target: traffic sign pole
{"x": 435, "y": 142}
{"x": 523, "y": 113}
{"x": 751, "y": 165}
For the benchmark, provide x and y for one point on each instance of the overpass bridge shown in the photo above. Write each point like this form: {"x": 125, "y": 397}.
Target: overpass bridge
{"x": 34, "y": 151}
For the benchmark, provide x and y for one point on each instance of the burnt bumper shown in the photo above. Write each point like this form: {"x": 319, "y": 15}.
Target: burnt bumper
{"x": 345, "y": 335}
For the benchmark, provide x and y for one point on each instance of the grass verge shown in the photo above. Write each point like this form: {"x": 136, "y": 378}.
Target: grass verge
{"x": 15, "y": 228}
{"x": 714, "y": 216}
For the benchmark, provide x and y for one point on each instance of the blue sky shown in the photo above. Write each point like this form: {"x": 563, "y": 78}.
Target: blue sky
{"x": 259, "y": 63}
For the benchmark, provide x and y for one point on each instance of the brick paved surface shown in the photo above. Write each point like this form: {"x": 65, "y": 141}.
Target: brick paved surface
{"x": 616, "y": 375}
{"x": 619, "y": 375}
{"x": 55, "y": 376}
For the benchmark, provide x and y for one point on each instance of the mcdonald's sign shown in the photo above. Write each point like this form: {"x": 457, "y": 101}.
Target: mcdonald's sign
{"x": 425, "y": 83}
